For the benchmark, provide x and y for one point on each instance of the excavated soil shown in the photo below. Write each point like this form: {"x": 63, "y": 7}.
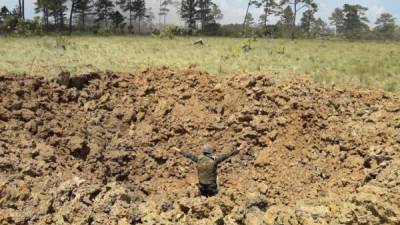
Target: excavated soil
{"x": 96, "y": 149}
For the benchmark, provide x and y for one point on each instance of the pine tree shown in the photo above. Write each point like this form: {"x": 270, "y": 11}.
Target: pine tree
{"x": 117, "y": 19}
{"x": 287, "y": 16}
{"x": 298, "y": 5}
{"x": 307, "y": 22}
{"x": 354, "y": 21}
{"x": 337, "y": 20}
{"x": 43, "y": 6}
{"x": 285, "y": 23}
{"x": 216, "y": 13}
{"x": 386, "y": 26}
{"x": 164, "y": 10}
{"x": 204, "y": 13}
{"x": 319, "y": 28}
{"x": 52, "y": 8}
{"x": 82, "y": 10}
{"x": 21, "y": 9}
{"x": 127, "y": 6}
{"x": 270, "y": 8}
{"x": 4, "y": 12}
{"x": 104, "y": 8}
{"x": 249, "y": 20}
{"x": 139, "y": 9}
{"x": 246, "y": 15}
{"x": 188, "y": 12}
{"x": 57, "y": 10}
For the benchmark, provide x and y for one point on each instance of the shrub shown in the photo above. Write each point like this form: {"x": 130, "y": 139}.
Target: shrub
{"x": 169, "y": 31}
{"x": 8, "y": 25}
{"x": 20, "y": 27}
{"x": 212, "y": 29}
{"x": 62, "y": 42}
{"x": 103, "y": 31}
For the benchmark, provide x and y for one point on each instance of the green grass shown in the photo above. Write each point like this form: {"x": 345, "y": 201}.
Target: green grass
{"x": 329, "y": 62}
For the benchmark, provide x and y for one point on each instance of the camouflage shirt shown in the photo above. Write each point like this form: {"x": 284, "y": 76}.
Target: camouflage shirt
{"x": 207, "y": 165}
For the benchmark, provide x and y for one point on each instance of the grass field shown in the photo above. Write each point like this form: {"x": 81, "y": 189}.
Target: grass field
{"x": 329, "y": 62}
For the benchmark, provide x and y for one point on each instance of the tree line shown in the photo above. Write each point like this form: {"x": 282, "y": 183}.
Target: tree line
{"x": 292, "y": 19}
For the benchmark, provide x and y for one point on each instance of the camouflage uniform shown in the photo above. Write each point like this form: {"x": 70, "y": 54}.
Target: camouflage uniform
{"x": 207, "y": 164}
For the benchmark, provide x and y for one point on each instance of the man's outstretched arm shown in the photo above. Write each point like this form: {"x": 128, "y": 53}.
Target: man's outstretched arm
{"x": 225, "y": 156}
{"x": 186, "y": 154}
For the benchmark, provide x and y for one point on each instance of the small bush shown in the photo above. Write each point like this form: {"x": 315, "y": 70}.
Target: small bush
{"x": 103, "y": 31}
{"x": 20, "y": 27}
{"x": 212, "y": 29}
{"x": 62, "y": 42}
{"x": 169, "y": 31}
{"x": 23, "y": 29}
{"x": 8, "y": 25}
{"x": 246, "y": 44}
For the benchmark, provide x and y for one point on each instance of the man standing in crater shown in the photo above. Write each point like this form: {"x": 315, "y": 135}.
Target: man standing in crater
{"x": 207, "y": 164}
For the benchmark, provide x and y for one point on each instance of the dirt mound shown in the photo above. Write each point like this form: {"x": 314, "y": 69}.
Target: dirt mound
{"x": 96, "y": 150}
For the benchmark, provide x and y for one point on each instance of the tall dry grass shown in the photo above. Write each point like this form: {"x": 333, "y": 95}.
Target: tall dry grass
{"x": 330, "y": 62}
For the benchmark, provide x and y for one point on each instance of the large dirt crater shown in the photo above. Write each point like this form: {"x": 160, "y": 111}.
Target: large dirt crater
{"x": 95, "y": 149}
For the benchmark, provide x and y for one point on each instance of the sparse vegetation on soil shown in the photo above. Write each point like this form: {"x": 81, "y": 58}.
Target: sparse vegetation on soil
{"x": 367, "y": 64}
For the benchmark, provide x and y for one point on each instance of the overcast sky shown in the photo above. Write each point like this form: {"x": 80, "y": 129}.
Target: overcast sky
{"x": 234, "y": 10}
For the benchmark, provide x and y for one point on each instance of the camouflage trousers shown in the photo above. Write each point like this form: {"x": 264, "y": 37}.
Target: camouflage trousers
{"x": 208, "y": 190}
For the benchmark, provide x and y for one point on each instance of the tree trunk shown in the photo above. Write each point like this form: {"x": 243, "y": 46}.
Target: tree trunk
{"x": 19, "y": 8}
{"x": 130, "y": 16}
{"x": 294, "y": 19}
{"x": 266, "y": 20}
{"x": 191, "y": 25}
{"x": 245, "y": 18}
{"x": 56, "y": 19}
{"x": 139, "y": 24}
{"x": 202, "y": 14}
{"x": 23, "y": 9}
{"x": 61, "y": 15}
{"x": 83, "y": 19}
{"x": 159, "y": 16}
{"x": 47, "y": 19}
{"x": 70, "y": 16}
{"x": 105, "y": 18}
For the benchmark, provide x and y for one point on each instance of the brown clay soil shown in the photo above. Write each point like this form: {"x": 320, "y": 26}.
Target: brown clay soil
{"x": 96, "y": 149}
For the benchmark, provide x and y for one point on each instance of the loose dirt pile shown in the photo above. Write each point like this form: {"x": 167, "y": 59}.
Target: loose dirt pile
{"x": 95, "y": 149}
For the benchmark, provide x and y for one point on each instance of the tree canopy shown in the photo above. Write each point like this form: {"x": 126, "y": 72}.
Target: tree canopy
{"x": 279, "y": 18}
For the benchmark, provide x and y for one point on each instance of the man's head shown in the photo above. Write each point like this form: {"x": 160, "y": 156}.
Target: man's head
{"x": 208, "y": 149}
